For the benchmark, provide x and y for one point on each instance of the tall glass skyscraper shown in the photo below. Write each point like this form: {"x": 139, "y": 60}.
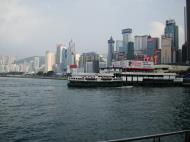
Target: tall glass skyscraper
{"x": 127, "y": 37}
{"x": 64, "y": 59}
{"x": 71, "y": 53}
{"x": 171, "y": 31}
{"x": 59, "y": 54}
{"x": 152, "y": 46}
{"x": 130, "y": 53}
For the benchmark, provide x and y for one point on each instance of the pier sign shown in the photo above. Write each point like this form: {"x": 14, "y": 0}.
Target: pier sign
{"x": 133, "y": 64}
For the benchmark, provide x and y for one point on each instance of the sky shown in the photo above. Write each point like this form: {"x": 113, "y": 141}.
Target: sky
{"x": 30, "y": 27}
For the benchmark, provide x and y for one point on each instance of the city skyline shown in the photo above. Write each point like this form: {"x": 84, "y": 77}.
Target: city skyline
{"x": 30, "y": 28}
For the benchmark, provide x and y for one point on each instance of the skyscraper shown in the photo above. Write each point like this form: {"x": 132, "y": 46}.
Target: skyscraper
{"x": 89, "y": 57}
{"x": 152, "y": 46}
{"x": 89, "y": 67}
{"x": 184, "y": 46}
{"x": 130, "y": 53}
{"x": 36, "y": 63}
{"x": 166, "y": 44}
{"x": 49, "y": 61}
{"x": 127, "y": 37}
{"x": 6, "y": 60}
{"x": 59, "y": 54}
{"x": 140, "y": 45}
{"x": 92, "y": 67}
{"x": 64, "y": 60}
{"x": 184, "y": 53}
{"x": 171, "y": 31}
{"x": 77, "y": 57}
{"x": 71, "y": 53}
{"x": 119, "y": 46}
{"x": 185, "y": 23}
{"x": 188, "y": 29}
{"x": 110, "y": 51}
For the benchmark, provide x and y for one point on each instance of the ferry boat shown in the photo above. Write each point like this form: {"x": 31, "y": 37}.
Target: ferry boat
{"x": 94, "y": 80}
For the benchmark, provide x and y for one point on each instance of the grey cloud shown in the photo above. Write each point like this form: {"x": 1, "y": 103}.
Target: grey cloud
{"x": 30, "y": 27}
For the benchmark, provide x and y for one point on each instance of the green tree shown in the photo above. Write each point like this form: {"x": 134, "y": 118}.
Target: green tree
{"x": 40, "y": 73}
{"x": 50, "y": 73}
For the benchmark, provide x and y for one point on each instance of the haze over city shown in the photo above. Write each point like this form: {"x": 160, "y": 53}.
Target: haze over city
{"x": 29, "y": 28}
{"x": 95, "y": 70}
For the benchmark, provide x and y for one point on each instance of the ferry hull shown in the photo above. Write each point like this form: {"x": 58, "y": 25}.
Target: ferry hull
{"x": 95, "y": 84}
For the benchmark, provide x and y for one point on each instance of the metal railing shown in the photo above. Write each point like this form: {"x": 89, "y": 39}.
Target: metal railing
{"x": 156, "y": 137}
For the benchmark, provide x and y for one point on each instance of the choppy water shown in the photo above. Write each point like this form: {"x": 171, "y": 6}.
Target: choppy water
{"x": 46, "y": 110}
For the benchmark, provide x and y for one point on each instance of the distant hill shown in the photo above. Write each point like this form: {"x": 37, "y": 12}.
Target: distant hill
{"x": 29, "y": 59}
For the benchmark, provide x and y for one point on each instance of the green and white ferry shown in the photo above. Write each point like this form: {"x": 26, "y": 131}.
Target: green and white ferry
{"x": 94, "y": 80}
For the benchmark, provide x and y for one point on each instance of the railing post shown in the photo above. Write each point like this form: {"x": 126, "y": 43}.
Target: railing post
{"x": 187, "y": 137}
{"x": 156, "y": 139}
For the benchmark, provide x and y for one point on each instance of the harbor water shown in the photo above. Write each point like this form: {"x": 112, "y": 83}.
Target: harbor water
{"x": 37, "y": 110}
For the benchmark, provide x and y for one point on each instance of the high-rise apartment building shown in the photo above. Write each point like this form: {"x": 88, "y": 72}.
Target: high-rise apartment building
{"x": 110, "y": 51}
{"x": 118, "y": 56}
{"x": 90, "y": 57}
{"x": 166, "y": 52}
{"x": 6, "y": 60}
{"x": 89, "y": 67}
{"x": 140, "y": 45}
{"x": 92, "y": 67}
{"x": 49, "y": 61}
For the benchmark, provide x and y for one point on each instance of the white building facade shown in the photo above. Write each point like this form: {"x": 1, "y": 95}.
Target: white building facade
{"x": 140, "y": 45}
{"x": 166, "y": 51}
{"x": 49, "y": 61}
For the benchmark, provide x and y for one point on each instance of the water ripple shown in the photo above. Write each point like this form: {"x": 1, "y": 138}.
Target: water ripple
{"x": 46, "y": 110}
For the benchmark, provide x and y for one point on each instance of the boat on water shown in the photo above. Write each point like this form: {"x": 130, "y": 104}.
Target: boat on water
{"x": 94, "y": 80}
